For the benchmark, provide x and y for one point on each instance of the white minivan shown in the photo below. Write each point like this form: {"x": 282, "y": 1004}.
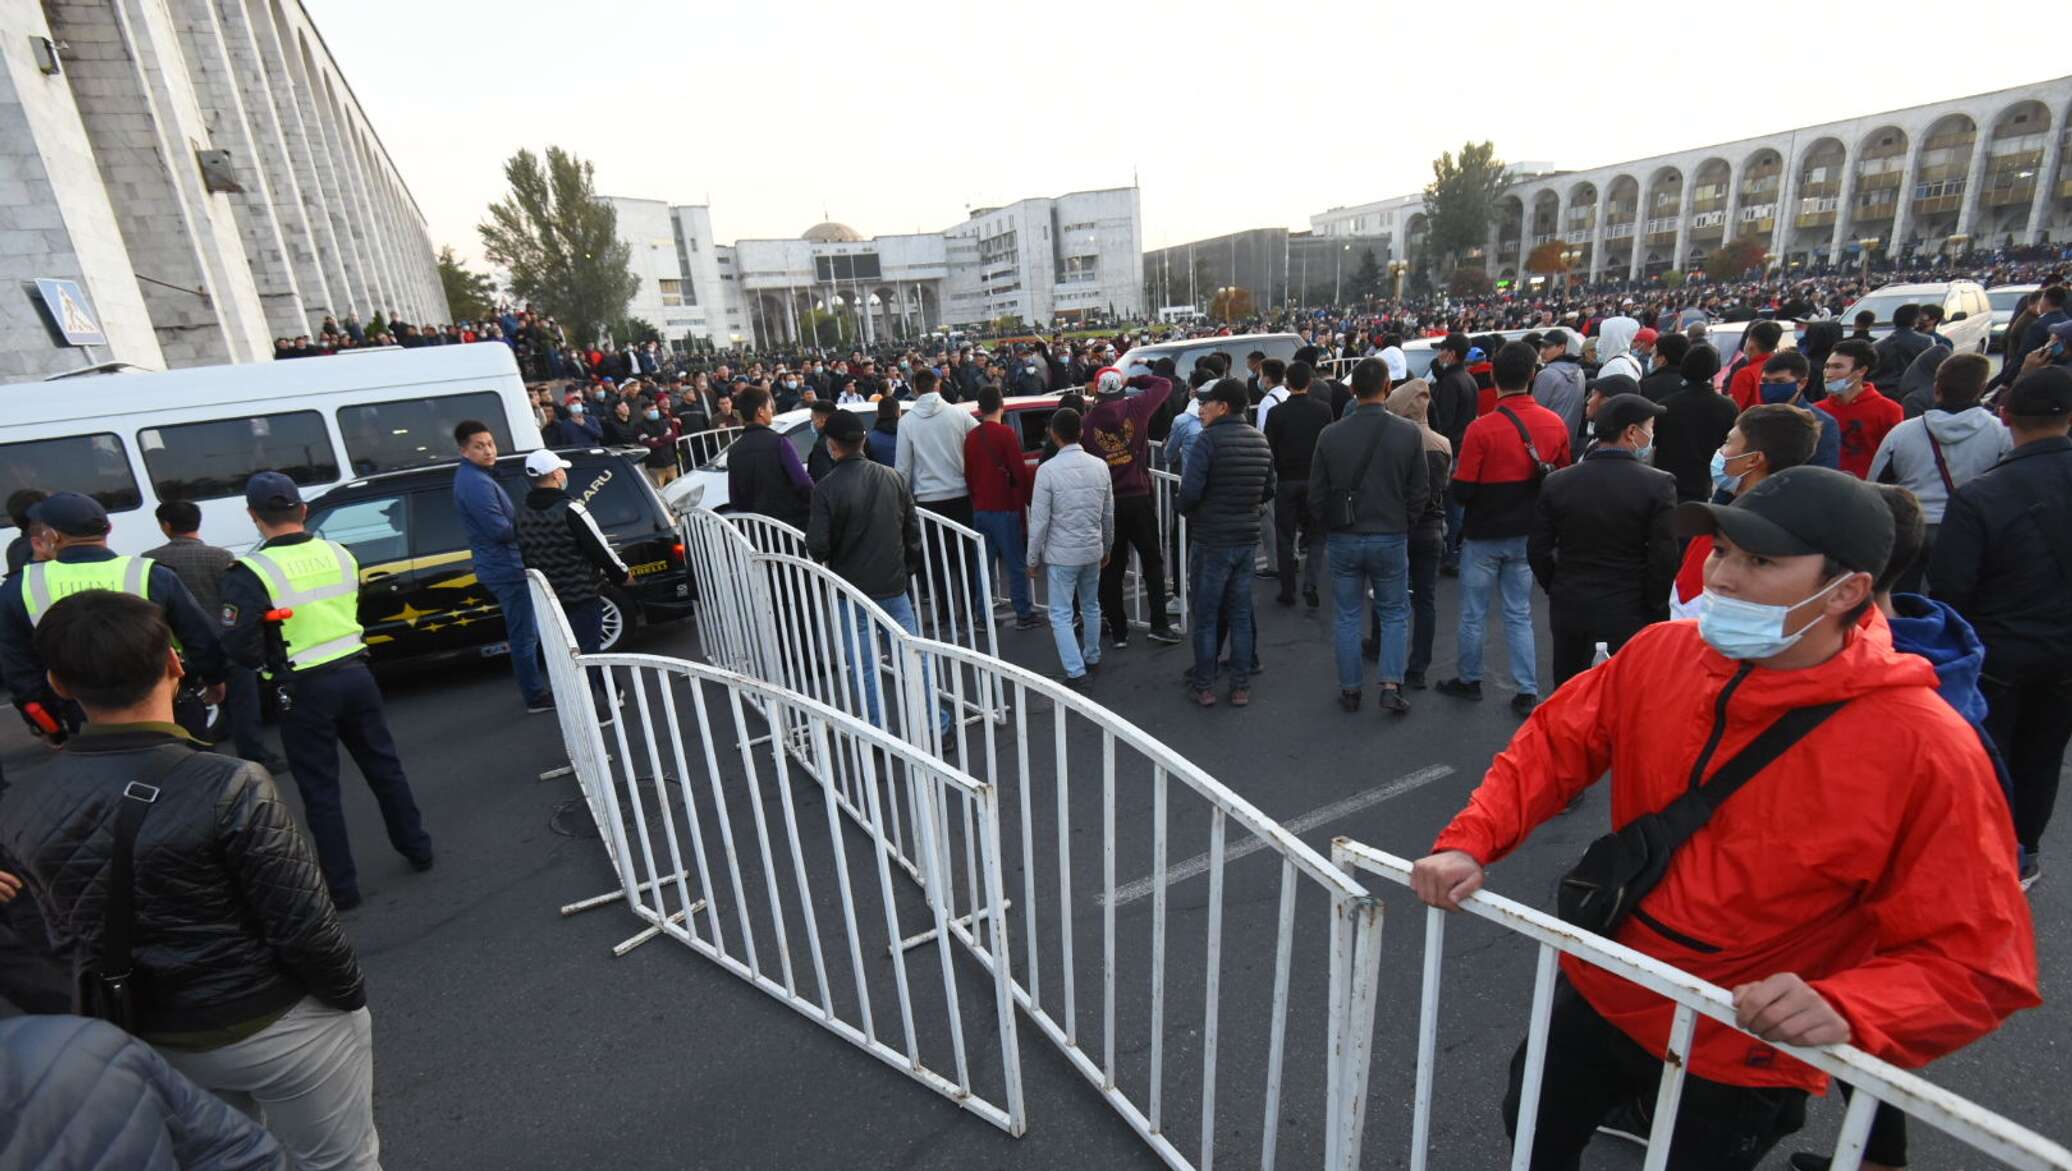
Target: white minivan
{"x": 132, "y": 440}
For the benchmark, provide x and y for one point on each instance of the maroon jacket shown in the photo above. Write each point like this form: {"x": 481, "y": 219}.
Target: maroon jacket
{"x": 1118, "y": 428}
{"x": 994, "y": 469}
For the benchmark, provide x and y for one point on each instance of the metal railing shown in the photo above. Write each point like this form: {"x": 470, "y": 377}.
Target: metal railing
{"x": 768, "y": 534}
{"x": 1874, "y": 1081}
{"x": 699, "y": 448}
{"x": 952, "y": 595}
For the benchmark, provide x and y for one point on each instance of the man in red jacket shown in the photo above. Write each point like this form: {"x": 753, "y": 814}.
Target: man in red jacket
{"x": 1865, "y": 415}
{"x": 1000, "y": 483}
{"x": 1860, "y": 889}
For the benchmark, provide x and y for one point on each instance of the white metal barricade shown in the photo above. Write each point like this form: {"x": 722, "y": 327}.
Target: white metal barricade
{"x": 952, "y": 595}
{"x": 768, "y": 534}
{"x": 729, "y": 603}
{"x": 700, "y": 447}
{"x": 1085, "y": 939}
{"x": 675, "y": 787}
{"x": 1172, "y": 532}
{"x": 1874, "y": 1081}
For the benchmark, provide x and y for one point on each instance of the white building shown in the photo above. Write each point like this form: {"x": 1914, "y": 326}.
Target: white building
{"x": 201, "y": 169}
{"x": 1039, "y": 259}
{"x": 1979, "y": 172}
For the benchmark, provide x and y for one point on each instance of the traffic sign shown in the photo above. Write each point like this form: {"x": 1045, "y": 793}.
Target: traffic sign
{"x": 72, "y": 312}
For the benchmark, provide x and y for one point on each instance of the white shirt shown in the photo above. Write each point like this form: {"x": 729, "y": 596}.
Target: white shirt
{"x": 1274, "y": 398}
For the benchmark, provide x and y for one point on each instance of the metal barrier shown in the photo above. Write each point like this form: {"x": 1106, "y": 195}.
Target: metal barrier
{"x": 720, "y": 559}
{"x": 952, "y": 595}
{"x": 1172, "y": 531}
{"x": 680, "y": 714}
{"x": 1874, "y": 1080}
{"x": 768, "y": 534}
{"x": 700, "y": 447}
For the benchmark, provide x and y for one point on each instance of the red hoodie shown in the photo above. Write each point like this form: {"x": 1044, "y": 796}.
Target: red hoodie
{"x": 1865, "y": 423}
{"x": 994, "y": 469}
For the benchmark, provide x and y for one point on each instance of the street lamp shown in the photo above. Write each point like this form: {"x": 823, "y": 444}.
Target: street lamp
{"x": 1338, "y": 275}
{"x": 1866, "y": 244}
{"x": 1396, "y": 269}
{"x": 1569, "y": 256}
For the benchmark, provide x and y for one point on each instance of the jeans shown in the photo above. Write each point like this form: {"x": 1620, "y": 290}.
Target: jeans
{"x": 1005, "y": 554}
{"x": 1136, "y": 526}
{"x": 1486, "y": 567}
{"x": 1291, "y": 511}
{"x": 307, "y": 1077}
{"x": 1455, "y": 517}
{"x": 1221, "y": 577}
{"x": 1358, "y": 561}
{"x": 1076, "y": 652}
{"x": 856, "y": 627}
{"x": 1425, "y": 553}
{"x": 515, "y": 600}
{"x": 1593, "y": 1067}
{"x": 2029, "y": 717}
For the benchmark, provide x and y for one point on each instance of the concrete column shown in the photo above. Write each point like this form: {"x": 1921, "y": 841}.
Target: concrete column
{"x": 344, "y": 155}
{"x": 323, "y": 159}
{"x": 275, "y": 44}
{"x": 1681, "y": 260}
{"x": 1974, "y": 178}
{"x": 1902, "y": 209}
{"x": 248, "y": 65}
{"x": 1845, "y": 209}
{"x": 791, "y": 313}
{"x": 1604, "y": 211}
{"x": 1525, "y": 236}
{"x": 1726, "y": 227}
{"x": 231, "y": 129}
{"x": 2046, "y": 182}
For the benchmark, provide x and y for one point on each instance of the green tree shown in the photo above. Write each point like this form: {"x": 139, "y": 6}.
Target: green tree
{"x": 1460, "y": 201}
{"x": 1469, "y": 282}
{"x": 636, "y": 331}
{"x": 379, "y": 324}
{"x": 824, "y": 328}
{"x": 560, "y": 242}
{"x": 470, "y": 296}
{"x": 1366, "y": 279}
{"x": 1731, "y": 260}
{"x": 1008, "y": 325}
{"x": 1673, "y": 279}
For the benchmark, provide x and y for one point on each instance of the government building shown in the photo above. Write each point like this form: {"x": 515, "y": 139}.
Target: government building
{"x": 200, "y": 174}
{"x": 1977, "y": 173}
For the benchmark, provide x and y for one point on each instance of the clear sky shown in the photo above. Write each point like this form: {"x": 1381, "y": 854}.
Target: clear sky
{"x": 898, "y": 116}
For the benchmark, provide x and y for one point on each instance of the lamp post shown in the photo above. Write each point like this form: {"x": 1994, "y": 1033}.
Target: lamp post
{"x": 1338, "y": 276}
{"x": 1866, "y": 244}
{"x": 1569, "y": 256}
{"x": 1396, "y": 269}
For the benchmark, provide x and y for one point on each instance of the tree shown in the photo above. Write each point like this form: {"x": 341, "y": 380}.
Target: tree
{"x": 1231, "y": 304}
{"x": 1007, "y": 325}
{"x": 1460, "y": 201}
{"x": 1547, "y": 259}
{"x": 634, "y": 331}
{"x": 560, "y": 242}
{"x": 823, "y": 327}
{"x": 1732, "y": 260}
{"x": 1366, "y": 280}
{"x": 1469, "y": 282}
{"x": 1673, "y": 279}
{"x": 470, "y": 296}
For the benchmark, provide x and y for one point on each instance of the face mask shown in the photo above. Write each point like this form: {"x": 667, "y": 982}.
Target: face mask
{"x": 1751, "y": 630}
{"x": 1720, "y": 478}
{"x": 791, "y": 384}
{"x": 576, "y": 409}
{"x": 653, "y": 415}
{"x": 1645, "y": 454}
{"x": 1836, "y": 385}
{"x": 1779, "y": 392}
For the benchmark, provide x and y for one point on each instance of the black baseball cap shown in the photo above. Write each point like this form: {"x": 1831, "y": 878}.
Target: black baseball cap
{"x": 1621, "y": 411}
{"x": 846, "y": 426}
{"x": 2039, "y": 394}
{"x": 271, "y": 490}
{"x": 1801, "y": 511}
{"x": 74, "y": 514}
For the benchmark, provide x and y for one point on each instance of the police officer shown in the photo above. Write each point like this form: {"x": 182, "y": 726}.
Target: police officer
{"x": 81, "y": 560}
{"x": 291, "y": 609}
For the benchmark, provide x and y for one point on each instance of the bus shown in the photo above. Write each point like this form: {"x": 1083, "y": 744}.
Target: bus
{"x": 133, "y": 440}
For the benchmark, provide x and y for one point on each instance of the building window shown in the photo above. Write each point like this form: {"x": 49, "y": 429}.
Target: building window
{"x": 672, "y": 292}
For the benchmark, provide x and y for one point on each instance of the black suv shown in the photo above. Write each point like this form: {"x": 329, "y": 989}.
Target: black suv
{"x": 418, "y": 593}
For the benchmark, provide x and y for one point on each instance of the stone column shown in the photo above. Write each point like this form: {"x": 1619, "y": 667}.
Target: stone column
{"x": 274, "y": 45}
{"x": 299, "y": 248}
{"x": 1681, "y": 259}
{"x": 1845, "y": 209}
{"x": 1604, "y": 211}
{"x": 1902, "y": 208}
{"x": 1733, "y": 206}
{"x": 1974, "y": 178}
{"x": 2046, "y": 182}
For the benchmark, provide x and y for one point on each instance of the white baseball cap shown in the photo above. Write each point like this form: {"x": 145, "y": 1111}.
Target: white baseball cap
{"x": 544, "y": 462}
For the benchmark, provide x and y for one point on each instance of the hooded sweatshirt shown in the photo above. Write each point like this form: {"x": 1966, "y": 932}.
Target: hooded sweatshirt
{"x": 1836, "y": 862}
{"x": 1615, "y": 348}
{"x": 1931, "y": 629}
{"x": 1866, "y": 420}
{"x": 1972, "y": 441}
{"x": 931, "y": 449}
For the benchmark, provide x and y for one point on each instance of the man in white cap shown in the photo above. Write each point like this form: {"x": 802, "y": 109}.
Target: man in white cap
{"x": 559, "y": 537}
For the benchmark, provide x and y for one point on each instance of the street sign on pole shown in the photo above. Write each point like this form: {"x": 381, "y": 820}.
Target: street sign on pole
{"x": 71, "y": 311}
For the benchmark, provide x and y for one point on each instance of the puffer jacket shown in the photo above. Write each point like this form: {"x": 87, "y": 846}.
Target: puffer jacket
{"x": 1836, "y": 862}
{"x": 82, "y": 1095}
{"x": 232, "y": 919}
{"x": 931, "y": 448}
{"x": 1072, "y": 512}
{"x": 1972, "y": 441}
{"x": 1229, "y": 476}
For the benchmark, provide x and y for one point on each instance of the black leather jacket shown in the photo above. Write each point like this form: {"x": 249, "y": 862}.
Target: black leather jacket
{"x": 232, "y": 920}
{"x": 863, "y": 527}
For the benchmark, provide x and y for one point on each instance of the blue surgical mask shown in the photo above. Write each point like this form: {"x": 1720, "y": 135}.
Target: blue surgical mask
{"x": 653, "y": 414}
{"x": 1779, "y": 392}
{"x": 1720, "y": 479}
{"x": 576, "y": 409}
{"x": 1836, "y": 385}
{"x": 1751, "y": 630}
{"x": 1645, "y": 454}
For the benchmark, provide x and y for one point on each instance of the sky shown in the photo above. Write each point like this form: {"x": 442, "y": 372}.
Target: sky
{"x": 901, "y": 116}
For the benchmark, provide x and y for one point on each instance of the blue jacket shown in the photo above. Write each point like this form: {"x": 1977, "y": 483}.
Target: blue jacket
{"x": 1931, "y": 629}
{"x": 1186, "y": 429}
{"x": 487, "y": 517}
{"x": 82, "y": 1095}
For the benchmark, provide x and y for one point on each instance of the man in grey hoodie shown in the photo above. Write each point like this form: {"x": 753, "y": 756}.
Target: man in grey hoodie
{"x": 1942, "y": 450}
{"x": 1559, "y": 384}
{"x": 930, "y": 454}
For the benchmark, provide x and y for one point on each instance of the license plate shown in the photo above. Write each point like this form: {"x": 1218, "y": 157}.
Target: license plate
{"x": 494, "y": 649}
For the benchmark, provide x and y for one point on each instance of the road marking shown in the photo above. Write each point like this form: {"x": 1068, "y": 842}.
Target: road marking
{"x": 1199, "y": 864}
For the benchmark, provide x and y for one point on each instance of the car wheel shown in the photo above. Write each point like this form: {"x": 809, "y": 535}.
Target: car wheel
{"x": 616, "y": 621}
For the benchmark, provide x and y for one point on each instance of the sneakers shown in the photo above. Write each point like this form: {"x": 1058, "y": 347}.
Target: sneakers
{"x": 1172, "y": 607}
{"x": 1523, "y": 703}
{"x": 2032, "y": 870}
{"x": 1414, "y": 680}
{"x": 1391, "y": 700}
{"x": 1028, "y": 622}
{"x": 1349, "y": 701}
{"x": 1119, "y": 639}
{"x": 1310, "y": 599}
{"x": 1459, "y": 688}
{"x": 544, "y": 703}
{"x": 1240, "y": 696}
{"x": 424, "y": 863}
{"x": 1163, "y": 636}
{"x": 1284, "y": 598}
{"x": 1630, "y": 1120}
{"x": 1203, "y": 697}
{"x": 345, "y": 900}
{"x": 1075, "y": 682}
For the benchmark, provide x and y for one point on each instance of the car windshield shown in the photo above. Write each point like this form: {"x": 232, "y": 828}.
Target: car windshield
{"x": 1883, "y": 304}
{"x": 2007, "y": 299}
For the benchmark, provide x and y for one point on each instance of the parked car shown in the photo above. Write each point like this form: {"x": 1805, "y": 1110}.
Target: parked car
{"x": 706, "y": 486}
{"x": 1187, "y": 352}
{"x": 1728, "y": 336}
{"x": 2004, "y": 298}
{"x": 1967, "y": 311}
{"x": 418, "y": 593}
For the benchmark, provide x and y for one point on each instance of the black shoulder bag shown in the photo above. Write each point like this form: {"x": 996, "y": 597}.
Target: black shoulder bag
{"x": 105, "y": 990}
{"x": 1343, "y": 508}
{"x": 1540, "y": 468}
{"x": 1620, "y": 868}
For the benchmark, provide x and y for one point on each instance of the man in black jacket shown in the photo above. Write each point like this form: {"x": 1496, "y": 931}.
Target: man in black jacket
{"x": 1601, "y": 543}
{"x": 559, "y": 537}
{"x": 1227, "y": 477}
{"x": 2002, "y": 558}
{"x": 1292, "y": 428}
{"x": 243, "y": 978}
{"x": 764, "y": 475}
{"x": 819, "y": 461}
{"x": 1454, "y": 393}
{"x": 1379, "y": 459}
{"x": 1898, "y": 349}
{"x": 1665, "y": 376}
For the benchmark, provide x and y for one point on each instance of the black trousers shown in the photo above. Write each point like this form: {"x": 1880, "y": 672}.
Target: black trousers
{"x": 1291, "y": 511}
{"x": 1592, "y": 1067}
{"x": 2029, "y": 717}
{"x": 1425, "y": 553}
{"x": 1136, "y": 527}
{"x": 1576, "y": 639}
{"x": 945, "y": 593}
{"x": 342, "y": 705}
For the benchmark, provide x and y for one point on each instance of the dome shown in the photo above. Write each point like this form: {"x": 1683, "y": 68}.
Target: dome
{"x": 833, "y": 233}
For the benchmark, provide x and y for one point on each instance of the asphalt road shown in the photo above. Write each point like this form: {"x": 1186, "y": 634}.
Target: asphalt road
{"x": 508, "y": 1037}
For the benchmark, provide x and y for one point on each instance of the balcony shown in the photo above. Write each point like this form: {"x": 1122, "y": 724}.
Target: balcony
{"x": 1815, "y": 219}
{"x": 2013, "y": 195}
{"x": 1708, "y": 219}
{"x": 1938, "y": 203}
{"x": 1619, "y": 231}
{"x": 1882, "y": 181}
{"x": 1866, "y": 211}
